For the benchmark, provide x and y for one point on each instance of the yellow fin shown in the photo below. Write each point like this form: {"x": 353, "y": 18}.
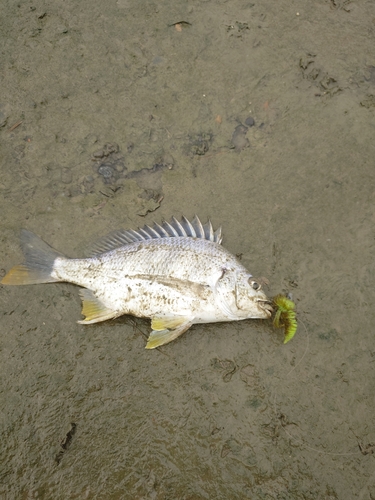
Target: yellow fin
{"x": 159, "y": 323}
{"x": 161, "y": 337}
{"x": 18, "y": 275}
{"x": 24, "y": 275}
{"x": 38, "y": 265}
{"x": 93, "y": 309}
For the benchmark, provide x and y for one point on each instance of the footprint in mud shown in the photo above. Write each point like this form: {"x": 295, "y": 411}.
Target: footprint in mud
{"x": 237, "y": 29}
{"x": 199, "y": 144}
{"x": 227, "y": 366}
{"x": 341, "y": 5}
{"x": 109, "y": 163}
{"x": 326, "y": 84}
{"x": 368, "y": 82}
{"x": 150, "y": 181}
{"x": 109, "y": 166}
{"x": 239, "y": 140}
{"x": 368, "y": 102}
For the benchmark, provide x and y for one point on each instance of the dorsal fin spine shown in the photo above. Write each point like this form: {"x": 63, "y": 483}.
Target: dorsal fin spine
{"x": 217, "y": 235}
{"x": 144, "y": 233}
{"x": 179, "y": 226}
{"x": 190, "y": 227}
{"x": 173, "y": 229}
{"x": 135, "y": 234}
{"x": 199, "y": 228}
{"x": 162, "y": 232}
{"x": 152, "y": 232}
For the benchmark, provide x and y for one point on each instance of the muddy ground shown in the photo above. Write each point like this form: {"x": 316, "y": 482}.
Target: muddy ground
{"x": 259, "y": 115}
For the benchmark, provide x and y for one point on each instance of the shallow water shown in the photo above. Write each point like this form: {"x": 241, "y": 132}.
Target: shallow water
{"x": 225, "y": 411}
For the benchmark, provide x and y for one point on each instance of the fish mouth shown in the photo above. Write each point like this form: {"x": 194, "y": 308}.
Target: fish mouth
{"x": 266, "y": 307}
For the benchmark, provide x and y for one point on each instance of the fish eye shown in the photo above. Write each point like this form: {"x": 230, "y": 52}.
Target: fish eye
{"x": 254, "y": 284}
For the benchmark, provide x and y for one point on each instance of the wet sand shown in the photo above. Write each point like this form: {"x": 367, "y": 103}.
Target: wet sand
{"x": 258, "y": 115}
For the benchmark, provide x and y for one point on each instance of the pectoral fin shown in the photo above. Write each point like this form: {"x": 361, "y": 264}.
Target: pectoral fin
{"x": 166, "y": 329}
{"x": 93, "y": 309}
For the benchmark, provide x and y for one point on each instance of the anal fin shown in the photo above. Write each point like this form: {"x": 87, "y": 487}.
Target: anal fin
{"x": 166, "y": 329}
{"x": 93, "y": 309}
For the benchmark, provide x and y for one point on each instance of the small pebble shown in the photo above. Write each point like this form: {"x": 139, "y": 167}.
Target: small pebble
{"x": 250, "y": 122}
{"x": 106, "y": 171}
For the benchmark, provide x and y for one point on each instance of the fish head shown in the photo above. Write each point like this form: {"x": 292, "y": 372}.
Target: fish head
{"x": 250, "y": 298}
{"x": 241, "y": 296}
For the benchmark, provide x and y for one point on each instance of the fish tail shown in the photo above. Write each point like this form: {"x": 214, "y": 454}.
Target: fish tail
{"x": 38, "y": 265}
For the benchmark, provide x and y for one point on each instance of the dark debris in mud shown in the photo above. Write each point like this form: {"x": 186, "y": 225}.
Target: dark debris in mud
{"x": 66, "y": 442}
{"x": 237, "y": 28}
{"x": 110, "y": 173}
{"x": 368, "y": 102}
{"x": 367, "y": 449}
{"x": 109, "y": 163}
{"x": 199, "y": 144}
{"x": 341, "y": 5}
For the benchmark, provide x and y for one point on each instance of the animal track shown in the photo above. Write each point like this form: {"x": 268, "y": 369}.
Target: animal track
{"x": 310, "y": 71}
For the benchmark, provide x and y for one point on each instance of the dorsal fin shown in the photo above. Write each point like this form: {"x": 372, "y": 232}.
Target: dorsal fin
{"x": 174, "y": 229}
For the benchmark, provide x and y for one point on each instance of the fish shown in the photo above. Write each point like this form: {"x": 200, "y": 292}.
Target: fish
{"x": 175, "y": 273}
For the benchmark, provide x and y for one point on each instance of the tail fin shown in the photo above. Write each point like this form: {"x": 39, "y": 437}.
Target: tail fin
{"x": 38, "y": 266}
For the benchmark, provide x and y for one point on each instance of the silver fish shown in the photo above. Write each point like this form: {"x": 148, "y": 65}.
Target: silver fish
{"x": 177, "y": 274}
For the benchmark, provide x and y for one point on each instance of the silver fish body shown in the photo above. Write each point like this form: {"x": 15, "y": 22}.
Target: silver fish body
{"x": 177, "y": 274}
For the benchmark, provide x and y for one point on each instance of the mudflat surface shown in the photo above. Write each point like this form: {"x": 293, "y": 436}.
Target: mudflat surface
{"x": 259, "y": 115}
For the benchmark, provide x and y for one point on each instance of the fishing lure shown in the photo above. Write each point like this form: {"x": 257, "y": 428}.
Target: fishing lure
{"x": 285, "y": 316}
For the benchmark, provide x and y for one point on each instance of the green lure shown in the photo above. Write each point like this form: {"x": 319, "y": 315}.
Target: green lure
{"x": 285, "y": 316}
